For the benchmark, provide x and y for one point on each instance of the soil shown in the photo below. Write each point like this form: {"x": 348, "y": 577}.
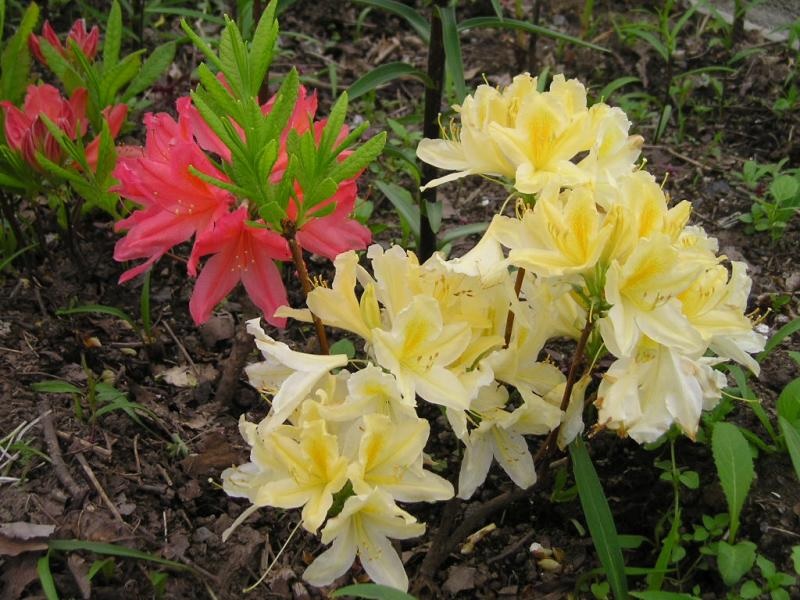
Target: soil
{"x": 156, "y": 488}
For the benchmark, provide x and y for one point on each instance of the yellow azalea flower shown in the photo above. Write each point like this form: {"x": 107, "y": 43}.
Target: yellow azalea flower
{"x": 642, "y": 395}
{"x": 363, "y": 528}
{"x": 643, "y": 293}
{"x": 390, "y": 458}
{"x": 312, "y": 468}
{"x": 290, "y": 376}
{"x": 715, "y": 305}
{"x": 417, "y": 351}
{"x": 475, "y": 151}
{"x": 499, "y": 435}
{"x": 563, "y": 234}
{"x": 550, "y": 129}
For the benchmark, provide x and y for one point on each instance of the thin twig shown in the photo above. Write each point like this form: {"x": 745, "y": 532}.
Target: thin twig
{"x": 302, "y": 273}
{"x": 85, "y": 445}
{"x": 181, "y": 348}
{"x": 76, "y": 491}
{"x": 99, "y": 488}
{"x": 510, "y": 317}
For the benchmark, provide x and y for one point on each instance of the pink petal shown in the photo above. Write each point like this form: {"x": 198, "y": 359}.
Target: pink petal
{"x": 216, "y": 280}
{"x": 265, "y": 287}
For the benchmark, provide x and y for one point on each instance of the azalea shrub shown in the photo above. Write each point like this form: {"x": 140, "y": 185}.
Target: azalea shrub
{"x": 252, "y": 183}
{"x": 594, "y": 252}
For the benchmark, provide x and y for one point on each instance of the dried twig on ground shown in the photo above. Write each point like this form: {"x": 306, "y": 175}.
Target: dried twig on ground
{"x": 54, "y": 451}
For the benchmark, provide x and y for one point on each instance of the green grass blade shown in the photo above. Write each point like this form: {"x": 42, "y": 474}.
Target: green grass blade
{"x": 7, "y": 261}
{"x": 452, "y": 51}
{"x": 412, "y": 17}
{"x": 54, "y": 386}
{"x": 403, "y": 203}
{"x": 461, "y": 231}
{"x": 46, "y": 577}
{"x": 780, "y": 335}
{"x": 612, "y": 87}
{"x": 384, "y": 74}
{"x": 599, "y": 518}
{"x": 114, "y": 550}
{"x": 478, "y": 22}
{"x": 97, "y": 308}
{"x": 734, "y": 467}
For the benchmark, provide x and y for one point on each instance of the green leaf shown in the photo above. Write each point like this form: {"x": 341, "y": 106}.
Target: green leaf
{"x": 599, "y": 518}
{"x": 55, "y": 386}
{"x": 262, "y": 47}
{"x": 735, "y": 560}
{"x": 97, "y": 308}
{"x": 61, "y": 67}
{"x": 113, "y": 37}
{"x": 791, "y": 437}
{"x": 201, "y": 45}
{"x": 384, "y": 74}
{"x": 359, "y": 159}
{"x": 784, "y": 332}
{"x": 114, "y": 550}
{"x": 494, "y": 22}
{"x": 788, "y": 404}
{"x": 690, "y": 479}
{"x": 15, "y": 62}
{"x": 372, "y": 591}
{"x": 796, "y": 558}
{"x": 452, "y": 50}
{"x": 46, "y": 577}
{"x": 412, "y": 17}
{"x": 612, "y": 87}
{"x": 434, "y": 212}
{"x": 156, "y": 64}
{"x": 343, "y": 346}
{"x": 185, "y": 12}
{"x": 750, "y": 589}
{"x": 461, "y": 231}
{"x": 735, "y": 468}
{"x": 403, "y": 203}
{"x": 784, "y": 188}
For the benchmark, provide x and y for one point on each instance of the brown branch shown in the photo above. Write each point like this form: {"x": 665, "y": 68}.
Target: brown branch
{"x": 510, "y": 318}
{"x": 442, "y": 546}
{"x": 76, "y": 491}
{"x": 305, "y": 281}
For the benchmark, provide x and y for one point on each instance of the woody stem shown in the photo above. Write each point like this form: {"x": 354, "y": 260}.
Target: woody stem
{"x": 302, "y": 273}
{"x": 510, "y": 317}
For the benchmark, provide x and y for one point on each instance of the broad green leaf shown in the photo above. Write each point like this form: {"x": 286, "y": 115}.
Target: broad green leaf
{"x": 412, "y": 17}
{"x": 403, "y": 203}
{"x": 15, "y": 62}
{"x": 791, "y": 437}
{"x": 343, "y": 346}
{"x": 494, "y": 22}
{"x": 372, "y": 591}
{"x": 112, "y": 37}
{"x": 735, "y": 560}
{"x": 55, "y": 387}
{"x": 384, "y": 74}
{"x": 796, "y": 559}
{"x": 452, "y": 51}
{"x": 152, "y": 69}
{"x": 735, "y": 468}
{"x": 749, "y": 589}
{"x": 788, "y": 404}
{"x": 434, "y": 212}
{"x": 784, "y": 188}
{"x": 461, "y": 231}
{"x": 119, "y": 75}
{"x": 61, "y": 67}
{"x": 599, "y": 518}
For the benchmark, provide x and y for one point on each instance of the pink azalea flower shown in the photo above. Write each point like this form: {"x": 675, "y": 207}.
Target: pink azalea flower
{"x": 241, "y": 252}
{"x": 176, "y": 204}
{"x": 27, "y": 133}
{"x": 86, "y": 41}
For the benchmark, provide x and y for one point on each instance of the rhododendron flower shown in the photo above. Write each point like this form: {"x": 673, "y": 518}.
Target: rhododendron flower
{"x": 86, "y": 41}
{"x": 115, "y": 117}
{"x": 26, "y": 132}
{"x": 363, "y": 528}
{"x": 243, "y": 253}
{"x": 176, "y": 204}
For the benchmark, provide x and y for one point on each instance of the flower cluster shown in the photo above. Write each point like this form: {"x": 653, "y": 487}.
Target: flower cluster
{"x": 87, "y": 41}
{"x": 594, "y": 253}
{"x": 172, "y": 179}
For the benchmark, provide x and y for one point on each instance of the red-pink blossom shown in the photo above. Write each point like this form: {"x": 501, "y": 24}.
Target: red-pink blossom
{"x": 26, "y": 132}
{"x": 241, "y": 252}
{"x": 86, "y": 41}
{"x": 115, "y": 117}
